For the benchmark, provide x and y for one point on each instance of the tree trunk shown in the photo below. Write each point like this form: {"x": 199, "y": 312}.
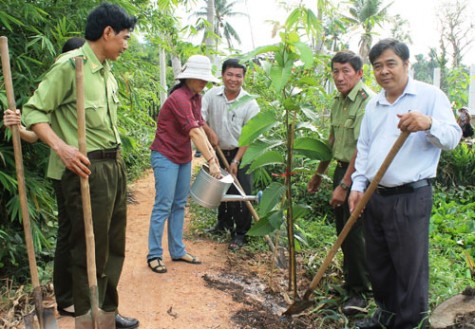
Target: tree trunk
{"x": 210, "y": 29}
{"x": 163, "y": 76}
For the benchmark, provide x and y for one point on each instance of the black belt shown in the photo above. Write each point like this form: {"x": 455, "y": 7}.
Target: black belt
{"x": 104, "y": 154}
{"x": 231, "y": 152}
{"x": 342, "y": 164}
{"x": 406, "y": 188}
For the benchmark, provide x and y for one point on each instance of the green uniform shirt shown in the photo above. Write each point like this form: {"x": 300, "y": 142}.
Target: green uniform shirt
{"x": 346, "y": 115}
{"x": 54, "y": 102}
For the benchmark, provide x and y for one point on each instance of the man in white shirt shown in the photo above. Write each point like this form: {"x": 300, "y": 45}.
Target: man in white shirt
{"x": 224, "y": 123}
{"x": 396, "y": 218}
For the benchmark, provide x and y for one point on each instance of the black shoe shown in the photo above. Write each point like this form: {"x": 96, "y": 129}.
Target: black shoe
{"x": 63, "y": 312}
{"x": 122, "y": 322}
{"x": 368, "y": 323}
{"x": 354, "y": 305}
{"x": 238, "y": 242}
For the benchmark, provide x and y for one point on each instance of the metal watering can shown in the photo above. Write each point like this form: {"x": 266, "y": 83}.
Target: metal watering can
{"x": 209, "y": 192}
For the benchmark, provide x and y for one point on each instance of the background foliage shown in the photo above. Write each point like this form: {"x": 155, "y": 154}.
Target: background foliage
{"x": 291, "y": 80}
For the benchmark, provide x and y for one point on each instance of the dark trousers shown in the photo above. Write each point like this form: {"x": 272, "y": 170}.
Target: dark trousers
{"x": 109, "y": 213}
{"x": 234, "y": 215}
{"x": 62, "y": 276}
{"x": 397, "y": 244}
{"x": 354, "y": 261}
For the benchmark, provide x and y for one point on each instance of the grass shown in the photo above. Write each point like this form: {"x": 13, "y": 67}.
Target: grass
{"x": 452, "y": 235}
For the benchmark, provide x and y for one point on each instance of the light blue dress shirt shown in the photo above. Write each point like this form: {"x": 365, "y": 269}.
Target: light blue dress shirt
{"x": 419, "y": 156}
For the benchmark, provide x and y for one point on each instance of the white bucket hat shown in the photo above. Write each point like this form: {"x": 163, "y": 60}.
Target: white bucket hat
{"x": 197, "y": 67}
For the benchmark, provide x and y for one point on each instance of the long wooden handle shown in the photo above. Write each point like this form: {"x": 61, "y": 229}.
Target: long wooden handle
{"x": 35, "y": 281}
{"x": 85, "y": 192}
{"x": 356, "y": 213}
{"x": 248, "y": 203}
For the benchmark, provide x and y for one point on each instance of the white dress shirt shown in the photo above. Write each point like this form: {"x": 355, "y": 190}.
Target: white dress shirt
{"x": 419, "y": 156}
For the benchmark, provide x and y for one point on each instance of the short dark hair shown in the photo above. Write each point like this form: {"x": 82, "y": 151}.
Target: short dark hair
{"x": 234, "y": 63}
{"x": 399, "y": 48}
{"x": 347, "y": 56}
{"x": 105, "y": 15}
{"x": 73, "y": 43}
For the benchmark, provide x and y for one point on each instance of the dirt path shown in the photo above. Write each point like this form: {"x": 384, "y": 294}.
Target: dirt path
{"x": 179, "y": 298}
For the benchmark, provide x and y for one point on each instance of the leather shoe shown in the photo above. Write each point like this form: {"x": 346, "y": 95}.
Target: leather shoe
{"x": 65, "y": 311}
{"x": 122, "y": 322}
{"x": 354, "y": 305}
{"x": 368, "y": 323}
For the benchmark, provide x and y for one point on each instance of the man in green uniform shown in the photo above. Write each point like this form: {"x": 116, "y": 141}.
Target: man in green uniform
{"x": 51, "y": 114}
{"x": 346, "y": 115}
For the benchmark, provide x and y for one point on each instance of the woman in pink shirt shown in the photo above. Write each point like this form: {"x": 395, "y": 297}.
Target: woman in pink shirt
{"x": 179, "y": 122}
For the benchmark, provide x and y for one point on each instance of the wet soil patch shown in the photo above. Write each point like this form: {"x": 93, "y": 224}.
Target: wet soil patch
{"x": 261, "y": 309}
{"x": 464, "y": 321}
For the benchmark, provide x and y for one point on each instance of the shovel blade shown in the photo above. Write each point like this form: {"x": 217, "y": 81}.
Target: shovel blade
{"x": 104, "y": 320}
{"x": 49, "y": 318}
{"x": 29, "y": 320}
{"x": 298, "y": 307}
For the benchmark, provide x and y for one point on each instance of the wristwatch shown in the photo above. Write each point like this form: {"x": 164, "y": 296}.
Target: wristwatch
{"x": 344, "y": 186}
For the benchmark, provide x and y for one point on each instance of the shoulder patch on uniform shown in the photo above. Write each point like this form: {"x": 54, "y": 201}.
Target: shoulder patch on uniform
{"x": 363, "y": 94}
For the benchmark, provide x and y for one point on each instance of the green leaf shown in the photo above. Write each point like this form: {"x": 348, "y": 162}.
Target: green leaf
{"x": 312, "y": 148}
{"x": 258, "y": 148}
{"x": 268, "y": 224}
{"x": 268, "y": 158}
{"x": 261, "y": 228}
{"x": 259, "y": 124}
{"x": 310, "y": 114}
{"x": 307, "y": 81}
{"x": 271, "y": 196}
{"x": 293, "y": 37}
{"x": 276, "y": 218}
{"x": 300, "y": 210}
{"x": 258, "y": 51}
{"x": 241, "y": 101}
{"x": 293, "y": 17}
{"x": 6, "y": 19}
{"x": 306, "y": 54}
{"x": 280, "y": 76}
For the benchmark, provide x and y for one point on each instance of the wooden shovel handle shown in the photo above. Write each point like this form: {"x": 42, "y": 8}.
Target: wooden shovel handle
{"x": 30, "y": 249}
{"x": 356, "y": 213}
{"x": 7, "y": 76}
{"x": 85, "y": 192}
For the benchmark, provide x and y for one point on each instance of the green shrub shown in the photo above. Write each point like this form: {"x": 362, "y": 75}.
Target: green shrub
{"x": 457, "y": 167}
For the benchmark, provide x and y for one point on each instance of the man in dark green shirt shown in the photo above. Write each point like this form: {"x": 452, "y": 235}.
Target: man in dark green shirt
{"x": 346, "y": 115}
{"x": 51, "y": 114}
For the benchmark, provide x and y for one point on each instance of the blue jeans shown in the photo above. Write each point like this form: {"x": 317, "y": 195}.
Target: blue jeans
{"x": 172, "y": 185}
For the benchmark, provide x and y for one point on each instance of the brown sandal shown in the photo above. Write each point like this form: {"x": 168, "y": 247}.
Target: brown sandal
{"x": 187, "y": 258}
{"x": 156, "y": 265}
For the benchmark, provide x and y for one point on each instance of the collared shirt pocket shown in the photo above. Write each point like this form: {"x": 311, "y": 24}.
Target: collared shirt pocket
{"x": 349, "y": 123}
{"x": 94, "y": 115}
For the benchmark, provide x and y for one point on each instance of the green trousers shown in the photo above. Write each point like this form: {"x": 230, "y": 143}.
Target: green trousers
{"x": 62, "y": 276}
{"x": 109, "y": 215}
{"x": 353, "y": 247}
